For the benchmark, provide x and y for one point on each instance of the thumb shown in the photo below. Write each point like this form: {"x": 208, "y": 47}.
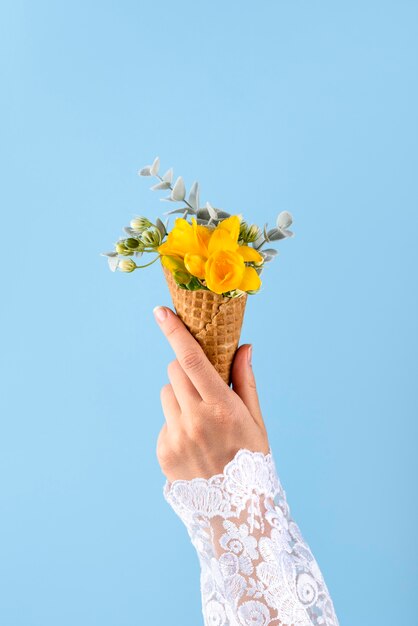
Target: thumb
{"x": 243, "y": 381}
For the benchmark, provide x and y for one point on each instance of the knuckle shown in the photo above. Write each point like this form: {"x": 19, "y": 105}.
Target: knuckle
{"x": 167, "y": 453}
{"x": 177, "y": 443}
{"x": 197, "y": 431}
{"x": 222, "y": 412}
{"x": 165, "y": 459}
{"x": 192, "y": 361}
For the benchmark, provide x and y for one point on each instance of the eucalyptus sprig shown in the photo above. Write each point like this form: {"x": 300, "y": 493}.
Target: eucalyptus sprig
{"x": 210, "y": 215}
{"x": 146, "y": 236}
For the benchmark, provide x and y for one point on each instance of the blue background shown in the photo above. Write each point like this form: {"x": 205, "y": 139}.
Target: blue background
{"x": 304, "y": 106}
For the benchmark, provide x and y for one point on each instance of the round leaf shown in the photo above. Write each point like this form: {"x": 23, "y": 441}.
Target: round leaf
{"x": 168, "y": 176}
{"x": 194, "y": 196}
{"x": 163, "y": 185}
{"x": 179, "y": 190}
{"x": 284, "y": 219}
{"x": 212, "y": 211}
{"x": 155, "y": 166}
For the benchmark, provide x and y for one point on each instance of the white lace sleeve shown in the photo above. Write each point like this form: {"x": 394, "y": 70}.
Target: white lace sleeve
{"x": 256, "y": 569}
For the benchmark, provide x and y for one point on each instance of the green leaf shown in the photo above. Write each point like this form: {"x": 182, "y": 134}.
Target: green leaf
{"x": 195, "y": 284}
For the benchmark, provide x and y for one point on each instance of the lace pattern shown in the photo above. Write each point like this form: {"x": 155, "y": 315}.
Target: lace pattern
{"x": 256, "y": 569}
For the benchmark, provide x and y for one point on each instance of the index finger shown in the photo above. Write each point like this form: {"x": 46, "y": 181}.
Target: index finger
{"x": 190, "y": 355}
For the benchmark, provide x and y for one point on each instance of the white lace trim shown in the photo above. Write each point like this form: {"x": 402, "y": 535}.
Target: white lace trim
{"x": 244, "y": 479}
{"x": 256, "y": 568}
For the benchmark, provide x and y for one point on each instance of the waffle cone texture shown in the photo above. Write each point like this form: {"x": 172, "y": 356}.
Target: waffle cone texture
{"x": 215, "y": 321}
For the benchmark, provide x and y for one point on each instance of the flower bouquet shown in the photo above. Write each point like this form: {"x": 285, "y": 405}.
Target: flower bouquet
{"x": 211, "y": 263}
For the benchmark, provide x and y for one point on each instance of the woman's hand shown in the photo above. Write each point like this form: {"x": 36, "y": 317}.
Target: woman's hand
{"x": 207, "y": 422}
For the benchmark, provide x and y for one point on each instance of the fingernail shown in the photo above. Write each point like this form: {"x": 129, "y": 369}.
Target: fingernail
{"x": 160, "y": 313}
{"x": 250, "y": 354}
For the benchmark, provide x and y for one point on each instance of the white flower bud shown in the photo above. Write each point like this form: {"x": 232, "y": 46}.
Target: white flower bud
{"x": 127, "y": 265}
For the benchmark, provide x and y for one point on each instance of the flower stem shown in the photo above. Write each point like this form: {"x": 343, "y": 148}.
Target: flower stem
{"x": 153, "y": 261}
{"x": 261, "y": 244}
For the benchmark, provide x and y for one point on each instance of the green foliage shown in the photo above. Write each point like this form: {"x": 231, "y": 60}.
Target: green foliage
{"x": 145, "y": 236}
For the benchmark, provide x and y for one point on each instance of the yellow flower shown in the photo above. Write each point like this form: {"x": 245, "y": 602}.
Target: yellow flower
{"x": 186, "y": 238}
{"x": 225, "y": 237}
{"x": 212, "y": 255}
{"x": 251, "y": 281}
{"x": 172, "y": 263}
{"x": 195, "y": 263}
{"x": 231, "y": 225}
{"x": 250, "y": 255}
{"x": 225, "y": 270}
{"x": 176, "y": 266}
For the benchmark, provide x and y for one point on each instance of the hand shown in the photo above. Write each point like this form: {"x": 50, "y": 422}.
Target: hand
{"x": 207, "y": 422}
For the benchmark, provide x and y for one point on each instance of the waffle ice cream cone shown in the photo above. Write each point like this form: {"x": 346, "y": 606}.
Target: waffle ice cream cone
{"x": 215, "y": 321}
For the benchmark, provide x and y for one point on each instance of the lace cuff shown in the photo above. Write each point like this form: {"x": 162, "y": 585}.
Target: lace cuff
{"x": 255, "y": 567}
{"x": 245, "y": 478}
